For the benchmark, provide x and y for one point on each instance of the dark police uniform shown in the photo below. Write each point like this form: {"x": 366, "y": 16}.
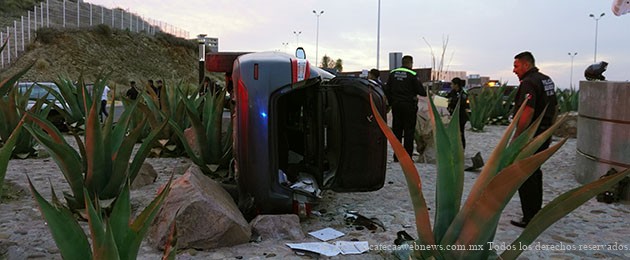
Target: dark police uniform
{"x": 401, "y": 90}
{"x": 538, "y": 90}
{"x": 454, "y": 97}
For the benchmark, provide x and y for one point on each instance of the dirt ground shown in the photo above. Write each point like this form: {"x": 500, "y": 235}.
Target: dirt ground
{"x": 590, "y": 229}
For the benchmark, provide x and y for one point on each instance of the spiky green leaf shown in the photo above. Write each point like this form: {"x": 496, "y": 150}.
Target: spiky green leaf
{"x": 67, "y": 233}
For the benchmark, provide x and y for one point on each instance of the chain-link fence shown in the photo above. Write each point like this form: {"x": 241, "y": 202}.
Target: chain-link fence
{"x": 67, "y": 14}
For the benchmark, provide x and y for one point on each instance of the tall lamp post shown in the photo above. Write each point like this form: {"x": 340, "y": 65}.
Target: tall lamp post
{"x": 285, "y": 44}
{"x": 572, "y": 55}
{"x": 317, "y": 35}
{"x": 201, "y": 39}
{"x": 596, "y": 18}
{"x": 378, "y": 36}
{"x": 297, "y": 37}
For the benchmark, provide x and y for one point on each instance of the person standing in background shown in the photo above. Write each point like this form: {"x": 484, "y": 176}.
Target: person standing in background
{"x": 132, "y": 93}
{"x": 401, "y": 91}
{"x": 459, "y": 96}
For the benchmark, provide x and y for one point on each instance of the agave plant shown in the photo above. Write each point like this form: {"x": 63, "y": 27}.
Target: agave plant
{"x": 568, "y": 100}
{"x": 12, "y": 109}
{"x": 13, "y": 105}
{"x": 105, "y": 160}
{"x": 113, "y": 236}
{"x": 483, "y": 106}
{"x": 475, "y": 222}
{"x": 502, "y": 106}
{"x": 170, "y": 107}
{"x": 6, "y": 150}
{"x": 206, "y": 117}
{"x": 75, "y": 101}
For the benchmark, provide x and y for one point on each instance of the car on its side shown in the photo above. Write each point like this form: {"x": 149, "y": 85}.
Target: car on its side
{"x": 299, "y": 130}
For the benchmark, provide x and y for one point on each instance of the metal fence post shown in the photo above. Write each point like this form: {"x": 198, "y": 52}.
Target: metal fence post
{"x": 2, "y": 52}
{"x": 64, "y": 13}
{"x": 15, "y": 38}
{"x": 29, "y": 26}
{"x": 47, "y": 14}
{"x": 22, "y": 29}
{"x": 78, "y": 14}
{"x": 35, "y": 16}
{"x": 90, "y": 14}
{"x": 8, "y": 50}
{"x": 130, "y": 23}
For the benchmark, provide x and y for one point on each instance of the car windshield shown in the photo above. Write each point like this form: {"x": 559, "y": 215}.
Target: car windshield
{"x": 38, "y": 91}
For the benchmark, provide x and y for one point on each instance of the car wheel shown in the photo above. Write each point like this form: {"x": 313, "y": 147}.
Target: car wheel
{"x": 57, "y": 120}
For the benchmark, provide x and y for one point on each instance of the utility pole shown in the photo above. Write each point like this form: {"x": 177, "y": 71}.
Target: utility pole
{"x": 317, "y": 37}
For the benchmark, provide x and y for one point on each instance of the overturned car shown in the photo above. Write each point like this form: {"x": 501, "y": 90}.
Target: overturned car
{"x": 299, "y": 130}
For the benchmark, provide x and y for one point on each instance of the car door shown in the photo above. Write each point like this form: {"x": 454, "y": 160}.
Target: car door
{"x": 362, "y": 146}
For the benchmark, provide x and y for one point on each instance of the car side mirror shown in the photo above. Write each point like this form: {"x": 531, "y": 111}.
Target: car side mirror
{"x": 300, "y": 53}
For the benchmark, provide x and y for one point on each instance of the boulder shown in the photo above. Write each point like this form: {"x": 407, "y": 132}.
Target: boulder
{"x": 278, "y": 227}
{"x": 191, "y": 139}
{"x": 206, "y": 216}
{"x": 425, "y": 145}
{"x": 569, "y": 127}
{"x": 147, "y": 175}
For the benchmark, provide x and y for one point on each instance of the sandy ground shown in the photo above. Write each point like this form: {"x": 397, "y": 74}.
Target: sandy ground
{"x": 24, "y": 234}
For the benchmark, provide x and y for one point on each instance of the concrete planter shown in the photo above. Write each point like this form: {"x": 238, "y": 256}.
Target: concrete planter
{"x": 603, "y": 139}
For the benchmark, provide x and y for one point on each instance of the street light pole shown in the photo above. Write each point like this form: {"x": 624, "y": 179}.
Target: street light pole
{"x": 596, "y": 26}
{"x": 297, "y": 37}
{"x": 285, "y": 44}
{"x": 317, "y": 35}
{"x": 378, "y": 36}
{"x": 201, "y": 39}
{"x": 571, "y": 79}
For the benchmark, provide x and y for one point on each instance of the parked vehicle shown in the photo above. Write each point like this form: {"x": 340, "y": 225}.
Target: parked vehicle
{"x": 299, "y": 130}
{"x": 41, "y": 90}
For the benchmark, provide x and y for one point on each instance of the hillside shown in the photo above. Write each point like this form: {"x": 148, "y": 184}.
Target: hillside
{"x": 100, "y": 49}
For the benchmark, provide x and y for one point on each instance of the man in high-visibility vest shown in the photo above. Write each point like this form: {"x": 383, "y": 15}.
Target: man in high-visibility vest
{"x": 401, "y": 90}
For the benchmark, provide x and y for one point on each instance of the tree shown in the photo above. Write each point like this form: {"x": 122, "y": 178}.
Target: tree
{"x": 339, "y": 65}
{"x": 329, "y": 63}
{"x": 437, "y": 63}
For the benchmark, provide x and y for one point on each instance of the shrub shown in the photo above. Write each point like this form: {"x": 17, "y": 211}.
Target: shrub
{"x": 103, "y": 29}
{"x": 568, "y": 100}
{"x": 47, "y": 35}
{"x": 175, "y": 41}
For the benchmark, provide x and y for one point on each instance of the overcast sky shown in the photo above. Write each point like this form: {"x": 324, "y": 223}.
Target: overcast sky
{"x": 484, "y": 35}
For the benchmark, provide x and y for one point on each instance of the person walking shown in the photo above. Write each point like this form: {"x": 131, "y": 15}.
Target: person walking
{"x": 459, "y": 96}
{"x": 401, "y": 90}
{"x": 104, "y": 99}
{"x": 537, "y": 90}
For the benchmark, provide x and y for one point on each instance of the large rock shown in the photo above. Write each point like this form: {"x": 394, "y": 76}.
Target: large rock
{"x": 206, "y": 216}
{"x": 569, "y": 127}
{"x": 278, "y": 227}
{"x": 147, "y": 175}
{"x": 425, "y": 145}
{"x": 191, "y": 139}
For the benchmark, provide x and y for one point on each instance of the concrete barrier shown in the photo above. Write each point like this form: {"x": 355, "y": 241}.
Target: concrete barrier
{"x": 603, "y": 139}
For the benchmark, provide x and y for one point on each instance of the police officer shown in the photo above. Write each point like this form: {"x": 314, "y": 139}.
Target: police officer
{"x": 459, "y": 96}
{"x": 537, "y": 90}
{"x": 401, "y": 91}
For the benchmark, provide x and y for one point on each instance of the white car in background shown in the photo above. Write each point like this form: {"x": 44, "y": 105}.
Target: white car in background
{"x": 39, "y": 91}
